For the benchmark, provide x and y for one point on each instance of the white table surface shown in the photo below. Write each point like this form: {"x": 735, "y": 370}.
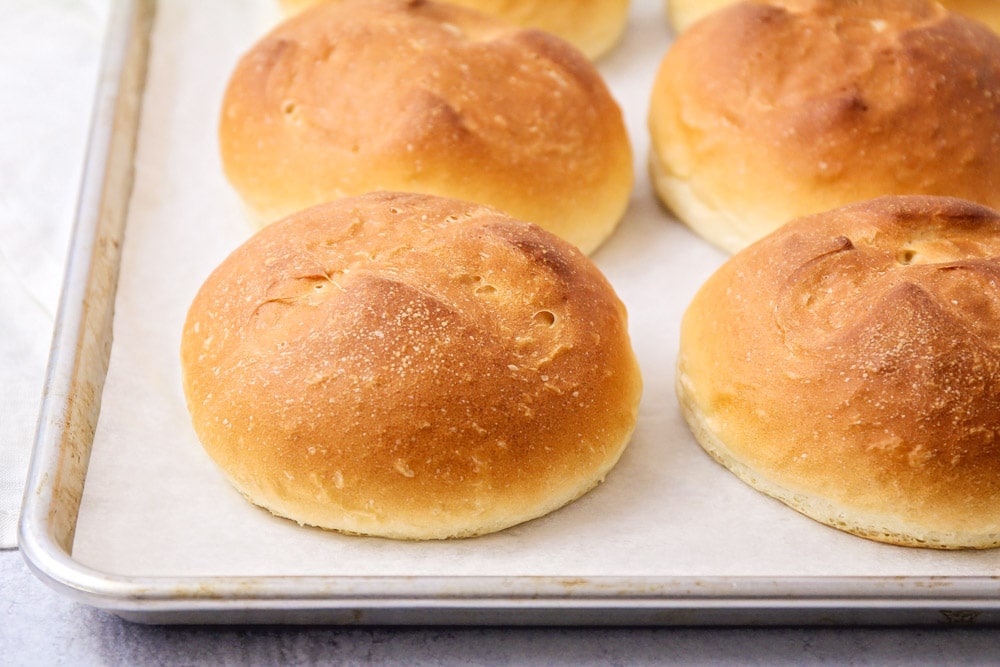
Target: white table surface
{"x": 41, "y": 627}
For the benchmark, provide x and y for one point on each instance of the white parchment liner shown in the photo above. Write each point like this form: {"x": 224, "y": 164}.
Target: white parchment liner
{"x": 154, "y": 504}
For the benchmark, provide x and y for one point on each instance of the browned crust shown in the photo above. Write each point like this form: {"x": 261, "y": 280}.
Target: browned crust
{"x": 593, "y": 26}
{"x": 771, "y": 111}
{"x": 363, "y": 95}
{"x": 849, "y": 364}
{"x": 684, "y": 13}
{"x": 409, "y": 366}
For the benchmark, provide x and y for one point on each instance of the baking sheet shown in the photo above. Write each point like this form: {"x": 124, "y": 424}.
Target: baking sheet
{"x": 155, "y": 508}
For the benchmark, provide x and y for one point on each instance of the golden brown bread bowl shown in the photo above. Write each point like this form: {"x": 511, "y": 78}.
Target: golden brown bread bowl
{"x": 593, "y": 26}
{"x": 766, "y": 112}
{"x": 683, "y": 13}
{"x": 361, "y": 95}
{"x": 848, "y": 365}
{"x": 411, "y": 367}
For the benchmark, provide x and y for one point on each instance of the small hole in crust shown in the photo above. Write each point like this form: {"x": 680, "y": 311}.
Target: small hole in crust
{"x": 545, "y": 318}
{"x": 906, "y": 256}
{"x": 485, "y": 289}
{"x": 288, "y": 107}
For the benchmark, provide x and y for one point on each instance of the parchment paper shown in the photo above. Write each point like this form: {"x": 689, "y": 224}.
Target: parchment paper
{"x": 154, "y": 504}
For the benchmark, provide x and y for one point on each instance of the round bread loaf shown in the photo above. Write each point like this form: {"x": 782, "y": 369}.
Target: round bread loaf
{"x": 849, "y": 365}
{"x": 593, "y": 26}
{"x": 362, "y": 95}
{"x": 683, "y": 13}
{"x": 411, "y": 367}
{"x": 766, "y": 112}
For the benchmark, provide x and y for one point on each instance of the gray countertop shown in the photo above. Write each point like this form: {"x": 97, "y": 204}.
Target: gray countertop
{"x": 40, "y": 627}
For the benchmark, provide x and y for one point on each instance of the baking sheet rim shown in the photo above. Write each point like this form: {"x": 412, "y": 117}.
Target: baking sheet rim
{"x": 52, "y": 497}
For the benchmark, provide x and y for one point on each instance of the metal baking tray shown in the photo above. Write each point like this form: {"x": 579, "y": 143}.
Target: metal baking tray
{"x": 72, "y": 406}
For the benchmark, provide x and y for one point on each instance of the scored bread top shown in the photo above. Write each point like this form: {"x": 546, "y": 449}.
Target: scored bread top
{"x": 409, "y": 366}
{"x": 764, "y": 112}
{"x": 849, "y": 364}
{"x": 363, "y": 95}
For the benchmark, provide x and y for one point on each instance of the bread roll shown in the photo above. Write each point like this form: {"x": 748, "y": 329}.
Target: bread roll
{"x": 683, "y": 13}
{"x": 766, "y": 112}
{"x": 361, "y": 95}
{"x": 593, "y": 26}
{"x": 410, "y": 367}
{"x": 849, "y": 365}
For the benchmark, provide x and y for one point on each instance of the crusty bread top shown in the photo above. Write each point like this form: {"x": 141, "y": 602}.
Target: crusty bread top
{"x": 409, "y": 366}
{"x": 683, "y": 13}
{"x": 854, "y": 356}
{"x": 362, "y": 95}
{"x": 771, "y": 111}
{"x": 593, "y": 26}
